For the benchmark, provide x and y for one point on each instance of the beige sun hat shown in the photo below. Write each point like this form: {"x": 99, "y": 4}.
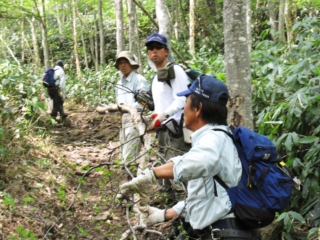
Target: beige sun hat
{"x": 127, "y": 55}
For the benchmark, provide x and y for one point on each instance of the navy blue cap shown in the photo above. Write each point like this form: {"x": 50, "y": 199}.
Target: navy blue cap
{"x": 211, "y": 89}
{"x": 156, "y": 37}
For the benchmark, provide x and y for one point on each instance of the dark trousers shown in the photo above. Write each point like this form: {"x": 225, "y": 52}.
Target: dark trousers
{"x": 226, "y": 229}
{"x": 54, "y": 94}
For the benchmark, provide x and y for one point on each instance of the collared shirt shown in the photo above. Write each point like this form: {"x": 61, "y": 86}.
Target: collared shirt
{"x": 125, "y": 86}
{"x": 165, "y": 97}
{"x": 60, "y": 78}
{"x": 212, "y": 153}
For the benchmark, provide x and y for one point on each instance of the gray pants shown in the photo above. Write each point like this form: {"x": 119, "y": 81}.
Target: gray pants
{"x": 129, "y": 136}
{"x": 169, "y": 147}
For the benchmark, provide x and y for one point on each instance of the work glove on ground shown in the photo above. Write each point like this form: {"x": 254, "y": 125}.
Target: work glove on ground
{"x": 141, "y": 184}
{"x": 154, "y": 215}
{"x": 158, "y": 118}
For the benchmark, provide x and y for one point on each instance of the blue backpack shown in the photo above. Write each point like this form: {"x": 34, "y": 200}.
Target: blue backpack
{"x": 265, "y": 186}
{"x": 48, "y": 78}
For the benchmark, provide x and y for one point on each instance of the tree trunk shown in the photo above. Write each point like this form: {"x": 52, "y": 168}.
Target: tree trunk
{"x": 273, "y": 18}
{"x": 191, "y": 28}
{"x": 45, "y": 45}
{"x": 101, "y": 32}
{"x": 119, "y": 21}
{"x": 290, "y": 15}
{"x": 75, "y": 39}
{"x": 36, "y": 55}
{"x": 237, "y": 63}
{"x": 282, "y": 36}
{"x": 58, "y": 17}
{"x": 176, "y": 19}
{"x": 96, "y": 50}
{"x": 134, "y": 45}
{"x": 164, "y": 24}
{"x": 249, "y": 36}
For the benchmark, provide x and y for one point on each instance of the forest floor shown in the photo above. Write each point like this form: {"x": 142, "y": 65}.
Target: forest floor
{"x": 64, "y": 185}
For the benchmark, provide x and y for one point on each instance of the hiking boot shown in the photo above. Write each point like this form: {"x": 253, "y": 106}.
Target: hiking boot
{"x": 64, "y": 116}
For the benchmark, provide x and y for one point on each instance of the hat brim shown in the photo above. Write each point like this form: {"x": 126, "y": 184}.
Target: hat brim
{"x": 184, "y": 93}
{"x": 133, "y": 63}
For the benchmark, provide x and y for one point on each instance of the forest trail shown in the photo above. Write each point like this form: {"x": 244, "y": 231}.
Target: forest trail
{"x": 66, "y": 190}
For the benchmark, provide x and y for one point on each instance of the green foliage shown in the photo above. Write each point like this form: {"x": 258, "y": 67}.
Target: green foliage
{"x": 23, "y": 234}
{"x": 286, "y": 103}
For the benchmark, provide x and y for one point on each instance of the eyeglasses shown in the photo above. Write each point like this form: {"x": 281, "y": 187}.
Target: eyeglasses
{"x": 155, "y": 46}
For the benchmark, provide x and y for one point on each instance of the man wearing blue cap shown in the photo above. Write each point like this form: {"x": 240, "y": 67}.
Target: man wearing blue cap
{"x": 206, "y": 211}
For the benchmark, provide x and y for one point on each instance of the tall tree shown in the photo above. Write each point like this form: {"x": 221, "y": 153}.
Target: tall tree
{"x": 249, "y": 36}
{"x": 191, "y": 27}
{"x": 134, "y": 45}
{"x": 75, "y": 38}
{"x": 237, "y": 63}
{"x": 164, "y": 24}
{"x": 119, "y": 23}
{"x": 45, "y": 44}
{"x": 101, "y": 32}
{"x": 273, "y": 18}
{"x": 282, "y": 36}
{"x": 35, "y": 54}
{"x": 290, "y": 14}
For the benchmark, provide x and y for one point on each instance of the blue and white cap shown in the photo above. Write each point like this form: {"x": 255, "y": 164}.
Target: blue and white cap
{"x": 156, "y": 37}
{"x": 210, "y": 89}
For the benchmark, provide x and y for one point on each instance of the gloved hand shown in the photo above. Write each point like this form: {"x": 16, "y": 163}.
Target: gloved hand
{"x": 154, "y": 215}
{"x": 157, "y": 120}
{"x": 141, "y": 184}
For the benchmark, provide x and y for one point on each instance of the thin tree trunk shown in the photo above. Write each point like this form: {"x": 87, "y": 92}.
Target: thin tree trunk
{"x": 36, "y": 55}
{"x": 45, "y": 45}
{"x": 249, "y": 36}
{"x": 83, "y": 42}
{"x": 176, "y": 19}
{"x": 22, "y": 35}
{"x": 237, "y": 63}
{"x": 290, "y": 14}
{"x": 119, "y": 21}
{"x": 273, "y": 18}
{"x": 101, "y": 32}
{"x": 191, "y": 27}
{"x": 96, "y": 47}
{"x": 282, "y": 36}
{"x": 134, "y": 45}
{"x": 9, "y": 50}
{"x": 57, "y": 15}
{"x": 75, "y": 38}
{"x": 164, "y": 24}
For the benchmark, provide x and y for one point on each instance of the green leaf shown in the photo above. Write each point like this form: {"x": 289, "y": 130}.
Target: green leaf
{"x": 297, "y": 216}
{"x": 288, "y": 143}
{"x": 307, "y": 140}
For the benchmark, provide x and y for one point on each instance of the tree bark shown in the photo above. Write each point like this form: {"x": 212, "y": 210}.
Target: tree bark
{"x": 75, "y": 38}
{"x": 119, "y": 21}
{"x": 282, "y": 36}
{"x": 134, "y": 45}
{"x": 45, "y": 45}
{"x": 36, "y": 55}
{"x": 290, "y": 15}
{"x": 191, "y": 27}
{"x": 273, "y": 18}
{"x": 101, "y": 32}
{"x": 249, "y": 36}
{"x": 237, "y": 63}
{"x": 164, "y": 24}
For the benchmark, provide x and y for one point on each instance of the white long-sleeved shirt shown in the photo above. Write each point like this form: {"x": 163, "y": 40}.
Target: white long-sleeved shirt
{"x": 60, "y": 78}
{"x": 165, "y": 97}
{"x": 133, "y": 82}
{"x": 212, "y": 153}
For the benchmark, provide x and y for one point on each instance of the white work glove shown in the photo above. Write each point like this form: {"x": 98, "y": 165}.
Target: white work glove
{"x": 154, "y": 215}
{"x": 141, "y": 184}
{"x": 157, "y": 120}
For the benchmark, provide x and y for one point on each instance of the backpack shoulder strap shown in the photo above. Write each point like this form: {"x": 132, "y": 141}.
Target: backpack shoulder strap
{"x": 216, "y": 177}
